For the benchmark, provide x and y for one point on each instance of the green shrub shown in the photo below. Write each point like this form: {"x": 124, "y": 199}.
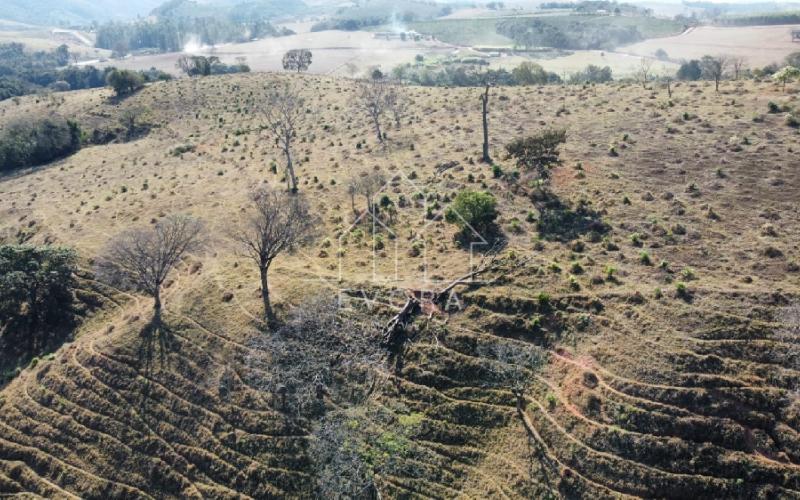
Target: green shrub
{"x": 681, "y": 289}
{"x": 473, "y": 210}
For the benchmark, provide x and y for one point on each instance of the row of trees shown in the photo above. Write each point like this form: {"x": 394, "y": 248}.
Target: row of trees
{"x": 470, "y": 75}
{"x": 209, "y": 65}
{"x": 171, "y": 35}
{"x": 23, "y": 71}
{"x": 142, "y": 259}
{"x": 713, "y": 68}
{"x": 575, "y": 35}
{"x": 720, "y": 67}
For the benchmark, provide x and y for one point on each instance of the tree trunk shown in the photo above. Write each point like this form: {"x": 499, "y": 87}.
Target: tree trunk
{"x": 269, "y": 315}
{"x": 157, "y": 305}
{"x": 290, "y": 170}
{"x": 378, "y": 129}
{"x": 485, "y": 112}
{"x": 716, "y": 85}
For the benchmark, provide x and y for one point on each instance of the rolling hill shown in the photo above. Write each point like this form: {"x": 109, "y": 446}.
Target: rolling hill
{"x": 659, "y": 289}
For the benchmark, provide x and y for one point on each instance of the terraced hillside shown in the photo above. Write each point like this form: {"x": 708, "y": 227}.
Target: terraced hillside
{"x": 661, "y": 298}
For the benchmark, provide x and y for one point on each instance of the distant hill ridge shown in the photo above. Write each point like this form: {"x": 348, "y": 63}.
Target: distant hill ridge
{"x": 76, "y": 12}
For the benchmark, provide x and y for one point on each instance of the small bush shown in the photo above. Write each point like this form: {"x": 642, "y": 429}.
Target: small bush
{"x": 682, "y": 290}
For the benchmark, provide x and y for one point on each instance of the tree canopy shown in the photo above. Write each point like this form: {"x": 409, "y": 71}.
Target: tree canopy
{"x": 473, "y": 211}
{"x": 36, "y": 293}
{"x": 297, "y": 60}
{"x": 538, "y": 152}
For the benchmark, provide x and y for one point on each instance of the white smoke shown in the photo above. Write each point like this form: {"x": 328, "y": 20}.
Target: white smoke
{"x": 194, "y": 46}
{"x": 395, "y": 25}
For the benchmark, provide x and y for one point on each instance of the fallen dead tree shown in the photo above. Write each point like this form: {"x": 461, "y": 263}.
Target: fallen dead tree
{"x": 430, "y": 302}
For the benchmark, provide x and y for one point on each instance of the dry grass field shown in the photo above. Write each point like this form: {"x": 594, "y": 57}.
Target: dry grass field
{"x": 333, "y": 52}
{"x": 759, "y": 45}
{"x": 622, "y": 65}
{"x": 42, "y": 38}
{"x": 646, "y": 392}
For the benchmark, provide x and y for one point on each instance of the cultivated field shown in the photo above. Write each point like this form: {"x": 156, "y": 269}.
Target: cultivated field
{"x": 759, "y": 45}
{"x": 333, "y": 52}
{"x": 42, "y": 38}
{"x": 649, "y": 390}
{"x": 622, "y": 65}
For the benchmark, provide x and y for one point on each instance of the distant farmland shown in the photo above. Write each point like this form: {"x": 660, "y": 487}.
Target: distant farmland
{"x": 759, "y": 45}
{"x": 483, "y": 31}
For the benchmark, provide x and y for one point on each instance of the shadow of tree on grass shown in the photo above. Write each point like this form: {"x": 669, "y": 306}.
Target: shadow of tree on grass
{"x": 561, "y": 221}
{"x": 156, "y": 341}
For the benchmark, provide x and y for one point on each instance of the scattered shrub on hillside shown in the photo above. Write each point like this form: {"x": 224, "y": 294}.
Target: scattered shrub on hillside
{"x": 35, "y": 141}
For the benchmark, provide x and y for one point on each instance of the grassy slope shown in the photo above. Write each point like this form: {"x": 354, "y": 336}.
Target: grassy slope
{"x": 644, "y": 397}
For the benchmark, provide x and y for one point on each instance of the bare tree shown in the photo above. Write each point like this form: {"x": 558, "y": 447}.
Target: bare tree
{"x": 713, "y": 68}
{"x": 643, "y": 71}
{"x": 277, "y": 223}
{"x": 283, "y": 109}
{"x": 738, "y": 65}
{"x": 668, "y": 81}
{"x": 511, "y": 367}
{"x": 132, "y": 119}
{"x": 143, "y": 258}
{"x": 367, "y": 185}
{"x": 321, "y": 352}
{"x": 353, "y": 188}
{"x": 484, "y": 98}
{"x": 372, "y": 97}
{"x": 340, "y": 464}
{"x": 396, "y": 102}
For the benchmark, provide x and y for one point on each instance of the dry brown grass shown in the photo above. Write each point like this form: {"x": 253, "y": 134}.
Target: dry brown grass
{"x": 675, "y": 404}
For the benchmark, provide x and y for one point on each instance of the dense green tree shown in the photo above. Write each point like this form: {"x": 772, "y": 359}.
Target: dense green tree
{"x": 297, "y": 60}
{"x": 36, "y": 294}
{"x": 34, "y": 141}
{"x": 690, "y": 70}
{"x": 125, "y": 81}
{"x": 528, "y": 73}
